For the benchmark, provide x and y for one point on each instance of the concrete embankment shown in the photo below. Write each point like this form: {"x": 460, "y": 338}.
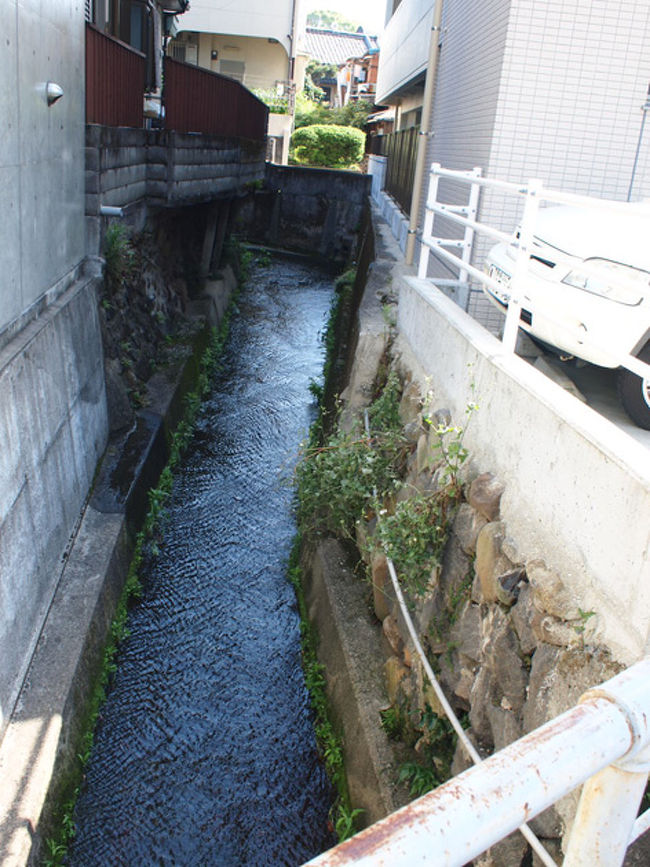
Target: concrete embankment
{"x": 39, "y": 747}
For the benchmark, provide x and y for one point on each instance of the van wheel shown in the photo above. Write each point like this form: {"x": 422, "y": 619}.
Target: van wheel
{"x": 634, "y": 392}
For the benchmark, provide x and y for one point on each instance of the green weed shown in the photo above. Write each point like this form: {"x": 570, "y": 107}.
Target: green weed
{"x": 119, "y": 255}
{"x": 414, "y": 537}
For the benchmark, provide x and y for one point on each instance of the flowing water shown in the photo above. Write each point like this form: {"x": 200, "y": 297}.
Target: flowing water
{"x": 205, "y": 753}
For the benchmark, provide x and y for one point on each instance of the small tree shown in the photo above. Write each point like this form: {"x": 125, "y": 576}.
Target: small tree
{"x": 328, "y": 145}
{"x": 328, "y": 20}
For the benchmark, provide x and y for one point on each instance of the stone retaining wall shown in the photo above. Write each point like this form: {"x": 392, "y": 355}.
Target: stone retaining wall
{"x": 313, "y": 211}
{"x": 501, "y": 622}
{"x": 502, "y": 632}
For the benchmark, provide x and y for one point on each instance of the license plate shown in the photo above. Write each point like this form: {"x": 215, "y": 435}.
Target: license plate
{"x": 503, "y": 280}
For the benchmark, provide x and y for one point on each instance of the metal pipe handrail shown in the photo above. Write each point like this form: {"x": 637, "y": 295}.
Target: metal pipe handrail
{"x": 451, "y": 212}
{"x": 544, "y": 193}
{"x": 513, "y": 785}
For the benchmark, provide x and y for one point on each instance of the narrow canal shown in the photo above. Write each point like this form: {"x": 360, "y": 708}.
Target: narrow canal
{"x": 205, "y": 752}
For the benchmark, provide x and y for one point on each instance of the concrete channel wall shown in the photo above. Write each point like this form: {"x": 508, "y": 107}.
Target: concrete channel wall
{"x": 577, "y": 489}
{"x": 53, "y": 429}
{"x": 314, "y": 211}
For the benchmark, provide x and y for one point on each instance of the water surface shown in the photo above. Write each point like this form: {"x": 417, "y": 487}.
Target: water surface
{"x": 205, "y": 753}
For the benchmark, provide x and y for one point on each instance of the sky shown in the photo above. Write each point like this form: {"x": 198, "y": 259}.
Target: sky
{"x": 369, "y": 13}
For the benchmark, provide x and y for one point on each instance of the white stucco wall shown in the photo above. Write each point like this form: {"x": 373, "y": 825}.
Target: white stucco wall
{"x": 265, "y": 62}
{"x": 41, "y": 151}
{"x": 576, "y": 487}
{"x": 404, "y": 46}
{"x": 246, "y": 18}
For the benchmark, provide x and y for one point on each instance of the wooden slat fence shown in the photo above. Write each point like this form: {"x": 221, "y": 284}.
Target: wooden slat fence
{"x": 401, "y": 150}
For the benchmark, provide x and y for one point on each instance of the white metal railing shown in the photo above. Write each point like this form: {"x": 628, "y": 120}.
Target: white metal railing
{"x": 532, "y": 193}
{"x": 604, "y": 742}
{"x": 604, "y": 739}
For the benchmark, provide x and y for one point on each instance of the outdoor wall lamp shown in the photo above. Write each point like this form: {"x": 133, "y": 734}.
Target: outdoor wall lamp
{"x": 53, "y": 92}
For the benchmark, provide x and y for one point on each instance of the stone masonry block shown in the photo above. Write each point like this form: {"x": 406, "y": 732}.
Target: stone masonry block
{"x": 382, "y": 588}
{"x": 467, "y": 525}
{"x": 550, "y": 593}
{"x": 490, "y": 562}
{"x": 485, "y": 495}
{"x": 521, "y": 615}
{"x": 410, "y": 404}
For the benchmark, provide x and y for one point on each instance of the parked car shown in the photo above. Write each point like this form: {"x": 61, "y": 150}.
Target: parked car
{"x": 586, "y": 294}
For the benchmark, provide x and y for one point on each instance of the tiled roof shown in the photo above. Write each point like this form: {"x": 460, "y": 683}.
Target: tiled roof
{"x": 335, "y": 46}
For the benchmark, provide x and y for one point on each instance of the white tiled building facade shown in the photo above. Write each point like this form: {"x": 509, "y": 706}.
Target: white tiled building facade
{"x": 525, "y": 89}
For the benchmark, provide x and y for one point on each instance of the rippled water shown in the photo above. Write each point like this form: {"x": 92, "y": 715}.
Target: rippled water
{"x": 205, "y": 754}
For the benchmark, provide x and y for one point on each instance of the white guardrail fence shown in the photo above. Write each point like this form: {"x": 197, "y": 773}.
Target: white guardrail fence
{"x": 603, "y": 742}
{"x": 532, "y": 193}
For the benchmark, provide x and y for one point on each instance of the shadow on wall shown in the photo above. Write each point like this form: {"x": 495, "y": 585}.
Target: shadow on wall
{"x": 314, "y": 211}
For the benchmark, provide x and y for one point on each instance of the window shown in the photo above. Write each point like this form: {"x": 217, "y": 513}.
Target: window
{"x": 233, "y": 69}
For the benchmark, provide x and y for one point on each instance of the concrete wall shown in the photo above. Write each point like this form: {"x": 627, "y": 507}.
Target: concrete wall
{"x": 576, "y": 486}
{"x": 315, "y": 211}
{"x": 41, "y": 152}
{"x": 52, "y": 404}
{"x": 136, "y": 168}
{"x": 247, "y": 18}
{"x": 53, "y": 430}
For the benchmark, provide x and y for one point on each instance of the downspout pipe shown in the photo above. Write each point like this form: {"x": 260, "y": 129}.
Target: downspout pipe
{"x": 425, "y": 129}
{"x": 293, "y": 37}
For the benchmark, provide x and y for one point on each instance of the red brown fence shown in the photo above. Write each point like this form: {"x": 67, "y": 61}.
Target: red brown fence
{"x": 197, "y": 100}
{"x": 114, "y": 80}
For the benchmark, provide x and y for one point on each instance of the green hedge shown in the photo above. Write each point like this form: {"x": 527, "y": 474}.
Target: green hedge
{"x": 328, "y": 145}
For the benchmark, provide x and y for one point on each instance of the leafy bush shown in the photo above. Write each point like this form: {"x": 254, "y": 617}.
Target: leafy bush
{"x": 328, "y": 145}
{"x": 276, "y": 102}
{"x": 414, "y": 537}
{"x": 310, "y": 111}
{"x": 337, "y": 482}
{"x": 340, "y": 481}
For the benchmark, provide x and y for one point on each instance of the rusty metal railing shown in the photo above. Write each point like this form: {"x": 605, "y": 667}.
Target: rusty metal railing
{"x": 605, "y": 737}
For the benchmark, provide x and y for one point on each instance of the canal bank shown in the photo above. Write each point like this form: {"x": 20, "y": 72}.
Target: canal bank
{"x": 38, "y": 754}
{"x": 44, "y": 732}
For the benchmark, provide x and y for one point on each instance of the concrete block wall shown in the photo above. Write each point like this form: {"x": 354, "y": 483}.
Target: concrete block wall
{"x": 125, "y": 167}
{"x": 574, "y": 494}
{"x": 53, "y": 427}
